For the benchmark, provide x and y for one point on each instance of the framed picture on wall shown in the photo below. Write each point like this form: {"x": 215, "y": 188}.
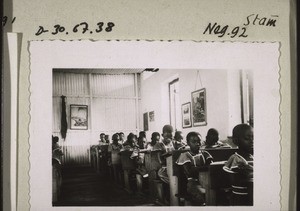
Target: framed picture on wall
{"x": 186, "y": 115}
{"x": 199, "y": 112}
{"x": 79, "y": 117}
{"x": 151, "y": 116}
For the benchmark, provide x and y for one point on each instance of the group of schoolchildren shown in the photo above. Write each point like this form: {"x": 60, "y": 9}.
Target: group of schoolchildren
{"x": 193, "y": 158}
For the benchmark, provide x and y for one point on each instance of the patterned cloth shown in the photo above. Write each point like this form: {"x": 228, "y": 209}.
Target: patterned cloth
{"x": 203, "y": 158}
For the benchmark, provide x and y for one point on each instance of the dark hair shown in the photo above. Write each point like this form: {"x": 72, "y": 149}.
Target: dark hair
{"x": 115, "y": 136}
{"x": 154, "y": 134}
{"x": 192, "y": 134}
{"x": 55, "y": 139}
{"x": 142, "y": 134}
{"x": 101, "y": 134}
{"x": 238, "y": 131}
{"x": 121, "y": 133}
{"x": 130, "y": 136}
{"x": 212, "y": 131}
{"x": 167, "y": 128}
{"x": 177, "y": 134}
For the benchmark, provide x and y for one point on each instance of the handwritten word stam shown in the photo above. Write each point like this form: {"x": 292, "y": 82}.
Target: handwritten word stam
{"x": 261, "y": 21}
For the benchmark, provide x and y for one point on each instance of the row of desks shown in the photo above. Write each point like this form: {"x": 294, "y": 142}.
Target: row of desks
{"x": 212, "y": 179}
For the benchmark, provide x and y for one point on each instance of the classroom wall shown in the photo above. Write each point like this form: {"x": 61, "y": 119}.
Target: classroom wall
{"x": 111, "y": 101}
{"x": 222, "y": 98}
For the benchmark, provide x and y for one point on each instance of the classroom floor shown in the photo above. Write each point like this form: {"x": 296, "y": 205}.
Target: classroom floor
{"x": 83, "y": 187}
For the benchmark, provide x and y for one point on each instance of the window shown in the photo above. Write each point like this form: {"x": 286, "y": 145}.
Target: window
{"x": 174, "y": 97}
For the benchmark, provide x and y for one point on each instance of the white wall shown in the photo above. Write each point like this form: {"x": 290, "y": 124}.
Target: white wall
{"x": 222, "y": 96}
{"x": 111, "y": 101}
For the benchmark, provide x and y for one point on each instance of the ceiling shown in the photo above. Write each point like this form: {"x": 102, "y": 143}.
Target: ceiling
{"x": 104, "y": 71}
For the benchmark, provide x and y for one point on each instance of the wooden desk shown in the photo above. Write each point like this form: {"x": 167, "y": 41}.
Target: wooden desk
{"x": 151, "y": 161}
{"x": 152, "y": 165}
{"x": 173, "y": 181}
{"x": 213, "y": 181}
{"x": 221, "y": 154}
{"x": 128, "y": 164}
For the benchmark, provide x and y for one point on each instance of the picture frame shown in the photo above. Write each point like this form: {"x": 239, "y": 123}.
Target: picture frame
{"x": 78, "y": 117}
{"x": 151, "y": 116}
{"x": 186, "y": 115}
{"x": 199, "y": 110}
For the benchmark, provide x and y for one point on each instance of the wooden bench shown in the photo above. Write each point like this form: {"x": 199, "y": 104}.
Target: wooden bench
{"x": 128, "y": 165}
{"x": 216, "y": 182}
{"x": 213, "y": 180}
{"x": 152, "y": 165}
{"x": 56, "y": 180}
{"x": 175, "y": 174}
{"x": 93, "y": 150}
{"x": 103, "y": 159}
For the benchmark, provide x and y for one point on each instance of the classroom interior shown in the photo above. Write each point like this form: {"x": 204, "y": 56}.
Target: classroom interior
{"x": 88, "y": 102}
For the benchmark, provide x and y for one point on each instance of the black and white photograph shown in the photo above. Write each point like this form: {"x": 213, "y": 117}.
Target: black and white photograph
{"x": 154, "y": 135}
{"x": 121, "y": 174}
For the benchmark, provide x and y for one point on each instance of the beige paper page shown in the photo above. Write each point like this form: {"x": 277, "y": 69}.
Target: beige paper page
{"x": 144, "y": 20}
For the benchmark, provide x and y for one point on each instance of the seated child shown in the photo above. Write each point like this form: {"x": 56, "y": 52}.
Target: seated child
{"x": 178, "y": 141}
{"x": 141, "y": 141}
{"x": 122, "y": 136}
{"x": 131, "y": 145}
{"x": 155, "y": 137}
{"x": 114, "y": 156}
{"x": 166, "y": 146}
{"x": 102, "y": 139}
{"x": 107, "y": 139}
{"x": 55, "y": 144}
{"x": 193, "y": 161}
{"x": 240, "y": 166}
{"x": 56, "y": 151}
{"x": 212, "y": 140}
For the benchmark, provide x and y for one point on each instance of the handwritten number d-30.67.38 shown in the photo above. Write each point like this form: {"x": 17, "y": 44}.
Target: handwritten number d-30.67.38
{"x": 82, "y": 28}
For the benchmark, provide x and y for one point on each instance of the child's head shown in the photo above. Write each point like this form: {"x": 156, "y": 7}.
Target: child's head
{"x": 194, "y": 141}
{"x": 102, "y": 136}
{"x": 242, "y": 136}
{"x": 155, "y": 138}
{"x": 167, "y": 133}
{"x": 131, "y": 138}
{"x": 212, "y": 137}
{"x": 121, "y": 135}
{"x": 115, "y": 138}
{"x": 55, "y": 139}
{"x": 107, "y": 138}
{"x": 178, "y": 136}
{"x": 142, "y": 134}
